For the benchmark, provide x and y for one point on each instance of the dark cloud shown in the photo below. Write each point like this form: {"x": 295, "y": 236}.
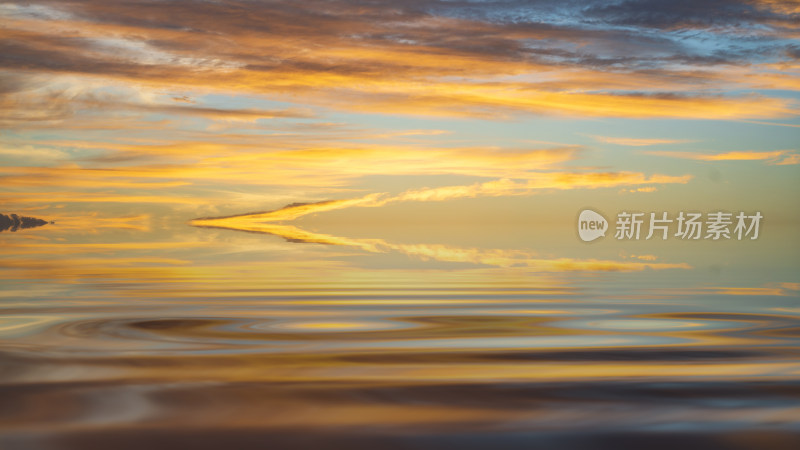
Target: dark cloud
{"x": 312, "y": 46}
{"x": 793, "y": 51}
{"x": 678, "y": 13}
{"x": 492, "y": 29}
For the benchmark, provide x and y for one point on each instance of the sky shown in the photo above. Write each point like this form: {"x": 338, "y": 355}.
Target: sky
{"x": 319, "y": 214}
{"x": 493, "y": 111}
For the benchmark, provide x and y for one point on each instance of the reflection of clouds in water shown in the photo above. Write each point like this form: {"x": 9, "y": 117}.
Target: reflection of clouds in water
{"x": 141, "y": 335}
{"x": 496, "y": 257}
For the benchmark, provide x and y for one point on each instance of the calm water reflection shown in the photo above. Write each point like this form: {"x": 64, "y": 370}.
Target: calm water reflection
{"x": 183, "y": 337}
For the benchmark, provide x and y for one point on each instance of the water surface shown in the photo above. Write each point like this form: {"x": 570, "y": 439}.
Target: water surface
{"x": 213, "y": 338}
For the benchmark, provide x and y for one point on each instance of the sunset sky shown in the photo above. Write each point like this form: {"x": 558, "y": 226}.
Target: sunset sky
{"x": 172, "y": 110}
{"x": 355, "y": 224}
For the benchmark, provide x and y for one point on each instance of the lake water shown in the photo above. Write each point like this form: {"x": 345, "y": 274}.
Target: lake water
{"x": 167, "y": 335}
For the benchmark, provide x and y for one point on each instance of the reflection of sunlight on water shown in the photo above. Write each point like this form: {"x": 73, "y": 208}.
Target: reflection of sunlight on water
{"x": 287, "y": 336}
{"x": 17, "y": 325}
{"x": 335, "y": 326}
{"x": 642, "y": 324}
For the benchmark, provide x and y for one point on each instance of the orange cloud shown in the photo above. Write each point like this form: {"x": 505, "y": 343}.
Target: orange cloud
{"x": 790, "y": 159}
{"x": 790, "y": 125}
{"x": 777, "y": 157}
{"x": 495, "y": 188}
{"x": 26, "y": 198}
{"x": 641, "y": 189}
{"x": 256, "y": 163}
{"x": 780, "y": 6}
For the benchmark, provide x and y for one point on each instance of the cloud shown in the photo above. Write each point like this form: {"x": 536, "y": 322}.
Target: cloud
{"x": 181, "y": 97}
{"x": 243, "y": 114}
{"x": 71, "y": 102}
{"x": 790, "y": 159}
{"x": 27, "y": 198}
{"x": 212, "y": 161}
{"x": 29, "y": 154}
{"x": 495, "y": 188}
{"x": 682, "y": 13}
{"x": 790, "y": 125}
{"x": 640, "y": 189}
{"x": 478, "y": 59}
{"x": 776, "y": 157}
